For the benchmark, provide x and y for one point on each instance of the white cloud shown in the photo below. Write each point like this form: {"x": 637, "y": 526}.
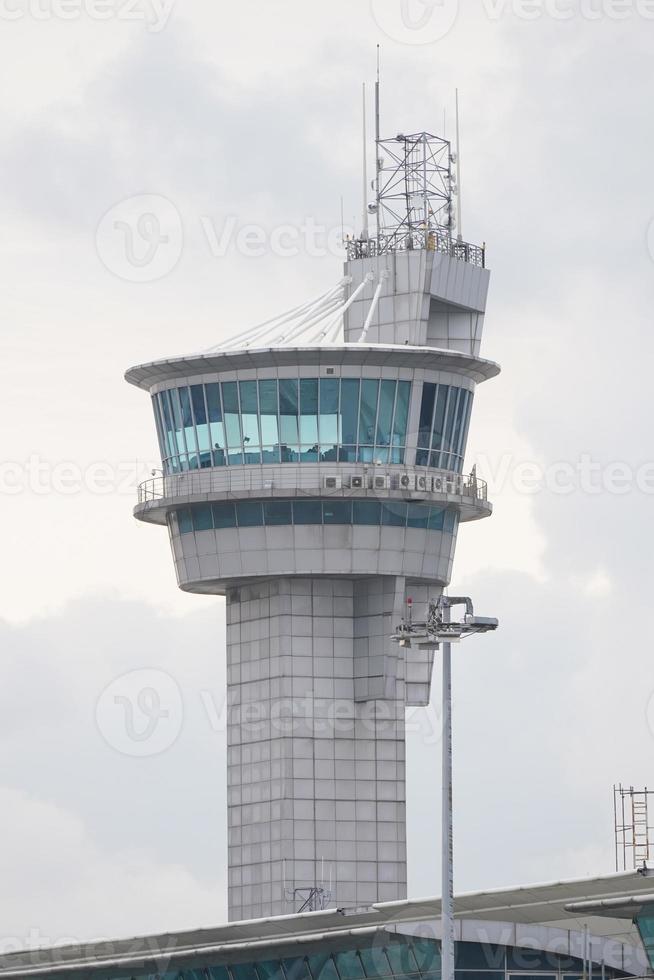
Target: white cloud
{"x": 60, "y": 885}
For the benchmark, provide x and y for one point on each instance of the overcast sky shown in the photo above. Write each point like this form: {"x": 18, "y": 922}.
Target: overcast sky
{"x": 247, "y": 114}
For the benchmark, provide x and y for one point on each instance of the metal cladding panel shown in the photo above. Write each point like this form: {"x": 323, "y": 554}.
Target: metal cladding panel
{"x": 209, "y": 561}
{"x": 197, "y": 368}
{"x": 459, "y": 283}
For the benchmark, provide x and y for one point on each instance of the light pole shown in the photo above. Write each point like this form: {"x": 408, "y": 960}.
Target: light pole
{"x": 438, "y": 628}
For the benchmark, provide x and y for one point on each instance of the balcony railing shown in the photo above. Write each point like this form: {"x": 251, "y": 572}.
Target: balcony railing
{"x": 210, "y": 481}
{"x": 413, "y": 240}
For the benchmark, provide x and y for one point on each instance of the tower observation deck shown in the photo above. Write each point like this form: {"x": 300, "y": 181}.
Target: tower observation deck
{"x": 313, "y": 474}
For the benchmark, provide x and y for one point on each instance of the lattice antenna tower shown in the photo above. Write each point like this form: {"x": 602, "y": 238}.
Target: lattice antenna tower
{"x": 416, "y": 189}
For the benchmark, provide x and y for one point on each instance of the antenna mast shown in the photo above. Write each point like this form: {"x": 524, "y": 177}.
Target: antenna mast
{"x": 458, "y": 168}
{"x": 365, "y": 169}
{"x": 377, "y": 139}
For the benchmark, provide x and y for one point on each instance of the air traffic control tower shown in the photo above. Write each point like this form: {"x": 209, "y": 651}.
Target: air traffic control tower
{"x": 313, "y": 474}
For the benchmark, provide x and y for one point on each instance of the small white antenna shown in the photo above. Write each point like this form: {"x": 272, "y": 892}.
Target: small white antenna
{"x": 377, "y": 138}
{"x": 458, "y": 168}
{"x": 365, "y": 170}
{"x": 342, "y": 221}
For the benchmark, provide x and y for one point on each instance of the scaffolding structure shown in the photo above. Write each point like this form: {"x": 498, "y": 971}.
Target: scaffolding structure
{"x": 632, "y": 827}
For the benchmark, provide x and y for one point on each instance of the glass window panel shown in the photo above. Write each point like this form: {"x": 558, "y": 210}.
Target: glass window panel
{"x": 277, "y": 512}
{"x": 366, "y": 512}
{"x": 401, "y": 959}
{"x": 200, "y": 416}
{"x": 349, "y": 965}
{"x": 270, "y": 970}
{"x": 288, "y": 419}
{"x": 329, "y": 434}
{"x": 450, "y": 521}
{"x": 347, "y": 454}
{"x": 458, "y": 422}
{"x": 479, "y": 975}
{"x": 218, "y": 973}
{"x": 418, "y": 515}
{"x": 439, "y": 419}
{"x": 375, "y": 962}
{"x": 427, "y": 954}
{"x": 296, "y": 969}
{"x": 309, "y": 454}
{"x": 309, "y": 413}
{"x": 535, "y": 976}
{"x": 250, "y": 421}
{"x": 368, "y": 413}
{"x": 199, "y": 409}
{"x": 436, "y": 518}
{"x": 337, "y": 511}
{"x": 478, "y": 956}
{"x": 168, "y": 422}
{"x": 385, "y": 414}
{"x": 466, "y": 427}
{"x": 528, "y": 961}
{"x": 189, "y": 428}
{"x": 350, "y": 411}
{"x": 307, "y": 512}
{"x": 217, "y": 429}
{"x": 213, "y": 402}
{"x": 243, "y": 971}
{"x": 401, "y": 418}
{"x": 232, "y": 417}
{"x": 224, "y": 515}
{"x": 161, "y": 438}
{"x": 394, "y": 513}
{"x": 173, "y": 395}
{"x": 249, "y": 513}
{"x": 185, "y": 520}
{"x": 426, "y": 414}
{"x": 322, "y": 967}
{"x": 449, "y": 427}
{"x": 268, "y": 398}
{"x": 645, "y": 924}
{"x": 202, "y": 517}
{"x": 422, "y": 457}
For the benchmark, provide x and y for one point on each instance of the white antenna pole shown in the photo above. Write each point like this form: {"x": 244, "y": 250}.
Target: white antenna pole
{"x": 377, "y": 138}
{"x": 365, "y": 169}
{"x": 458, "y": 169}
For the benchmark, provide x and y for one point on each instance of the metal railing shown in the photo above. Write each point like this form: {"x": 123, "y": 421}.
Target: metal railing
{"x": 414, "y": 240}
{"x": 222, "y": 481}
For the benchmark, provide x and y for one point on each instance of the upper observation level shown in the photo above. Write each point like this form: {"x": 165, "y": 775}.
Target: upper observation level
{"x": 349, "y": 410}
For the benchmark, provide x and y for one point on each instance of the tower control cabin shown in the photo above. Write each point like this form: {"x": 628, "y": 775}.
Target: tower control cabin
{"x": 313, "y": 474}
